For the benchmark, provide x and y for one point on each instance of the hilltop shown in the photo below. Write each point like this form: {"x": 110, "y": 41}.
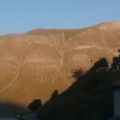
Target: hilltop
{"x": 35, "y": 63}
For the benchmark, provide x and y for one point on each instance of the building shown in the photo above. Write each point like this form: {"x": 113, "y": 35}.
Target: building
{"x": 116, "y": 98}
{"x": 103, "y": 69}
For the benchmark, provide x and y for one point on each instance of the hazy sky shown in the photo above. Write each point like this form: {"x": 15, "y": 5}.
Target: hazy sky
{"x": 17, "y": 16}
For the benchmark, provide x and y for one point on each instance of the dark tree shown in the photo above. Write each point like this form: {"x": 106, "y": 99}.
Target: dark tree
{"x": 77, "y": 73}
{"x": 119, "y": 50}
{"x": 35, "y": 105}
{"x": 101, "y": 63}
{"x": 54, "y": 94}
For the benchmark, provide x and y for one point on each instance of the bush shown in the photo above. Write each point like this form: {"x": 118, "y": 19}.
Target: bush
{"x": 34, "y": 105}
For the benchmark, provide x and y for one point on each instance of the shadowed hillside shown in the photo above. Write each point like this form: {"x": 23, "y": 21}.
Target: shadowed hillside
{"x": 89, "y": 98}
{"x": 35, "y": 63}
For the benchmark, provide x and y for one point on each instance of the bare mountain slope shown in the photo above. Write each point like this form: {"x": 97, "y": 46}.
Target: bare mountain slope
{"x": 36, "y": 63}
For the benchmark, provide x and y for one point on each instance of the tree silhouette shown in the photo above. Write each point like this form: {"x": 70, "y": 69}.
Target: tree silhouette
{"x": 54, "y": 94}
{"x": 77, "y": 73}
{"x": 35, "y": 105}
{"x": 101, "y": 63}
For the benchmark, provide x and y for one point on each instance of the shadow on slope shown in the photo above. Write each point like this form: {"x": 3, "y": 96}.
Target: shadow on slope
{"x": 89, "y": 98}
{"x": 11, "y": 110}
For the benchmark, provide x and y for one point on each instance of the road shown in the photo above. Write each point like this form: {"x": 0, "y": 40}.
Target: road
{"x": 31, "y": 116}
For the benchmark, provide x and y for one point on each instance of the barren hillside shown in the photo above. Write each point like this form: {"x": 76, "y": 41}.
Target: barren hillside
{"x": 36, "y": 63}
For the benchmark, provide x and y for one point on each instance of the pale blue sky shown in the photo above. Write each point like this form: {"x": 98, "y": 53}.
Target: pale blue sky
{"x": 18, "y": 16}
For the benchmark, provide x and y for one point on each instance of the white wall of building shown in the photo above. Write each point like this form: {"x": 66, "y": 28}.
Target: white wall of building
{"x": 117, "y": 102}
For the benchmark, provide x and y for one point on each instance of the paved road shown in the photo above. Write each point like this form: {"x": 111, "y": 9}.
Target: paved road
{"x": 8, "y": 119}
{"x": 31, "y": 116}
